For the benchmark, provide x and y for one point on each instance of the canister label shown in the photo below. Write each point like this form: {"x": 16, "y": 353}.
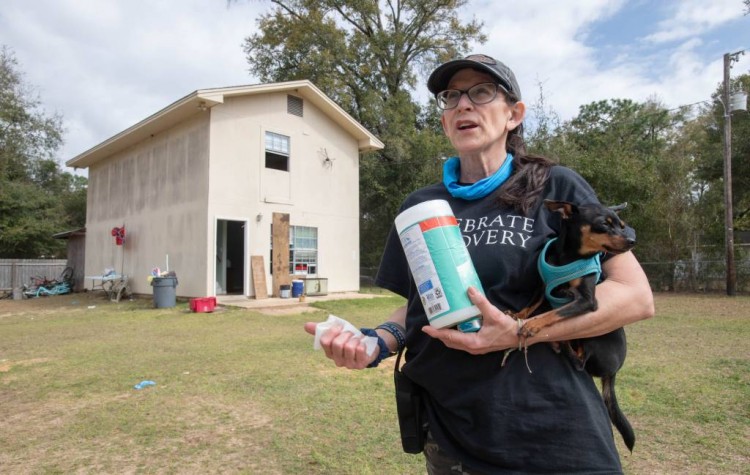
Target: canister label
{"x": 423, "y": 270}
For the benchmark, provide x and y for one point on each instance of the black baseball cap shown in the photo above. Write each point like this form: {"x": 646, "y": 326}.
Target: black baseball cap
{"x": 441, "y": 76}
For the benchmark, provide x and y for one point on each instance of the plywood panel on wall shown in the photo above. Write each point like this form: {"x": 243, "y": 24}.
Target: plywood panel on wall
{"x": 280, "y": 243}
{"x": 258, "y": 272}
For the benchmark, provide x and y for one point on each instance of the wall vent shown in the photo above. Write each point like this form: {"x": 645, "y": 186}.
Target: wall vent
{"x": 294, "y": 105}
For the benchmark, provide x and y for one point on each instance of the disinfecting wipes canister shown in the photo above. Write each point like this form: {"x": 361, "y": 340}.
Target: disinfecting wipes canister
{"x": 440, "y": 264}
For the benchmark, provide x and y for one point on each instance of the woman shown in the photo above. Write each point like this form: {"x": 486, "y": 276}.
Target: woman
{"x": 485, "y": 417}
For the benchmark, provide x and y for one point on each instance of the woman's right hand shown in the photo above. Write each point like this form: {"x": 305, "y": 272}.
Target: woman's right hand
{"x": 345, "y": 349}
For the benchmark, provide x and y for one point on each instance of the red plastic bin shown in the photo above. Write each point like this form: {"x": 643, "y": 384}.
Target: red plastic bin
{"x": 203, "y": 304}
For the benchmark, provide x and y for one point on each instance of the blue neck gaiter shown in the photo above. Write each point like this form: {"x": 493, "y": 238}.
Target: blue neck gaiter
{"x": 480, "y": 189}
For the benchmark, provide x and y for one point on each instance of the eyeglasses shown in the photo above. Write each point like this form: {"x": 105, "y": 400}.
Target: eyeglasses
{"x": 479, "y": 94}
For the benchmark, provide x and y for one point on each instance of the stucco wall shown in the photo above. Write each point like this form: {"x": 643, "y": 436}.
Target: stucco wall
{"x": 158, "y": 189}
{"x": 171, "y": 189}
{"x": 314, "y": 193}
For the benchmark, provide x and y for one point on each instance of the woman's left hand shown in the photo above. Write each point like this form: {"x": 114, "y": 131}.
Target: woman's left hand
{"x": 498, "y": 332}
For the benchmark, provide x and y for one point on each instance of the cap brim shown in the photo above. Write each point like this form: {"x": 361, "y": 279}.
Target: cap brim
{"x": 440, "y": 77}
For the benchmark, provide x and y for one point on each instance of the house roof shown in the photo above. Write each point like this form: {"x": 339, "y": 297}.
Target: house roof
{"x": 197, "y": 102}
{"x": 71, "y": 233}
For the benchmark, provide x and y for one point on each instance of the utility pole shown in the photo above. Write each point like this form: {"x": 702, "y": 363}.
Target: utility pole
{"x": 731, "y": 272}
{"x": 728, "y": 218}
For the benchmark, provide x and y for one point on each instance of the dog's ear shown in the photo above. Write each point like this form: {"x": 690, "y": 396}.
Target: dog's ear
{"x": 618, "y": 208}
{"x": 563, "y": 207}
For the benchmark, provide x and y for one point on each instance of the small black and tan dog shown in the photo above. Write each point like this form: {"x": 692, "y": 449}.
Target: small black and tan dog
{"x": 570, "y": 267}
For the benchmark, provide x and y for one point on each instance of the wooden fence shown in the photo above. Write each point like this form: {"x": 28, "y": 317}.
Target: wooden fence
{"x": 15, "y": 273}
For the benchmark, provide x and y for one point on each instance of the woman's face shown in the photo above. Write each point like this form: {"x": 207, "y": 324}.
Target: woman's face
{"x": 483, "y": 128}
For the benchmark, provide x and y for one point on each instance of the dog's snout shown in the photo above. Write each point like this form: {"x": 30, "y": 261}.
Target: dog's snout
{"x": 630, "y": 236}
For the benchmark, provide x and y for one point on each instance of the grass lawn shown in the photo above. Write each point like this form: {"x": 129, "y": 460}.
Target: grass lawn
{"x": 242, "y": 392}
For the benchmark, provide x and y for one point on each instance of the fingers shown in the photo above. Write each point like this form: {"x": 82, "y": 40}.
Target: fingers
{"x": 484, "y": 305}
{"x": 498, "y": 330}
{"x": 327, "y": 339}
{"x": 349, "y": 352}
{"x": 458, "y": 340}
{"x": 452, "y": 338}
{"x": 345, "y": 349}
{"x": 310, "y": 327}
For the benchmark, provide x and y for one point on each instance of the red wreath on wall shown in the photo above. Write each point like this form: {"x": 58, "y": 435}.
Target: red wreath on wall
{"x": 119, "y": 235}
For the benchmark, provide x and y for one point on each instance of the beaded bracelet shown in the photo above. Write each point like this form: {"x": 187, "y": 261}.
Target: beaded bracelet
{"x": 398, "y": 332}
{"x": 384, "y": 352}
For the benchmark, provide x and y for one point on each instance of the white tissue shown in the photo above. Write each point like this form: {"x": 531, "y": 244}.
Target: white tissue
{"x": 371, "y": 342}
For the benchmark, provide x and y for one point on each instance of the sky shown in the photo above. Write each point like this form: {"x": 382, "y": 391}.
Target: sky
{"x": 104, "y": 65}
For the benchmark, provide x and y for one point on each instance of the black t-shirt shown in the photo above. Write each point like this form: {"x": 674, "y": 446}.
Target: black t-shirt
{"x": 504, "y": 419}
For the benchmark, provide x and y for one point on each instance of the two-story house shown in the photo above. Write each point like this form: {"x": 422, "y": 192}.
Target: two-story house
{"x": 198, "y": 185}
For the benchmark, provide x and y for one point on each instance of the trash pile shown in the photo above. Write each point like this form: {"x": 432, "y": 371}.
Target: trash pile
{"x": 158, "y": 273}
{"x": 41, "y": 286}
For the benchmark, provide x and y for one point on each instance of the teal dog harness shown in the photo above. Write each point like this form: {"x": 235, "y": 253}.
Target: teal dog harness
{"x": 555, "y": 276}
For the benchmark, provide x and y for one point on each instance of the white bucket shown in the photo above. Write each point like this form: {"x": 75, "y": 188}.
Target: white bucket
{"x": 285, "y": 291}
{"x": 440, "y": 264}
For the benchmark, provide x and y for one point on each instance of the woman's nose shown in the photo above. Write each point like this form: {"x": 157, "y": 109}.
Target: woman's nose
{"x": 464, "y": 102}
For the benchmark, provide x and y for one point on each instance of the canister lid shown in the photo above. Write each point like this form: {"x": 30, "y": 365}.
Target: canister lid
{"x": 422, "y": 211}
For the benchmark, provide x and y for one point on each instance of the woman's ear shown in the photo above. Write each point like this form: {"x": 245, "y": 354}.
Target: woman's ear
{"x": 518, "y": 112}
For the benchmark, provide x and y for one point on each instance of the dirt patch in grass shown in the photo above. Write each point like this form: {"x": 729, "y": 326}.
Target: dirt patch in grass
{"x": 287, "y": 310}
{"x": 6, "y": 365}
{"x": 54, "y": 304}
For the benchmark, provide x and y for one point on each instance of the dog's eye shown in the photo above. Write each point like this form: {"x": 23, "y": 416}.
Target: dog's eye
{"x": 614, "y": 222}
{"x": 603, "y": 224}
{"x": 600, "y": 226}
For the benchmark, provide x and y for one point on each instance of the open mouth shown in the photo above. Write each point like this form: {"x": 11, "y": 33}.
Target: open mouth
{"x": 465, "y": 125}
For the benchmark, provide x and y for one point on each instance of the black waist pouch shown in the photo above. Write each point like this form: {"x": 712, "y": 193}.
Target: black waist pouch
{"x": 411, "y": 413}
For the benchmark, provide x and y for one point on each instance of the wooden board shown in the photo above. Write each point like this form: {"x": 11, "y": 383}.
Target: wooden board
{"x": 258, "y": 270}
{"x": 280, "y": 243}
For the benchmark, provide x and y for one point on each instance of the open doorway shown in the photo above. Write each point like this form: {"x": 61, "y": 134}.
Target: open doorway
{"x": 230, "y": 257}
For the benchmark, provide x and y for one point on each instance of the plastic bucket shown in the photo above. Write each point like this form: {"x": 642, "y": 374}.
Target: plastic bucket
{"x": 203, "y": 304}
{"x": 285, "y": 291}
{"x": 440, "y": 264}
{"x": 165, "y": 294}
{"x": 298, "y": 286}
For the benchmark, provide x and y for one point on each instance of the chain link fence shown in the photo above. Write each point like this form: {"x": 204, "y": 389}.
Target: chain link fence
{"x": 678, "y": 276}
{"x": 367, "y": 276}
{"x": 696, "y": 275}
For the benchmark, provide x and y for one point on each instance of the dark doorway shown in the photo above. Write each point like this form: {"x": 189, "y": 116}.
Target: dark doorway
{"x": 230, "y": 257}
